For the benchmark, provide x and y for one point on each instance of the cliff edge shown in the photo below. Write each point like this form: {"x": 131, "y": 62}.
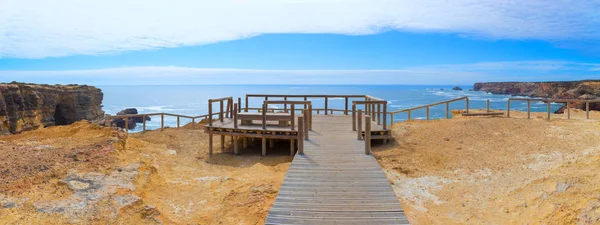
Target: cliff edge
{"x": 586, "y": 89}
{"x": 30, "y": 106}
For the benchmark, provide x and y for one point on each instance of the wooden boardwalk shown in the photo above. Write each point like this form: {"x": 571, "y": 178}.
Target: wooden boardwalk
{"x": 334, "y": 182}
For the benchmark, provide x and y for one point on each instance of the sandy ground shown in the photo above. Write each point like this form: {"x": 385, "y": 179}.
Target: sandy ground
{"x": 461, "y": 171}
{"x": 87, "y": 174}
{"x": 496, "y": 170}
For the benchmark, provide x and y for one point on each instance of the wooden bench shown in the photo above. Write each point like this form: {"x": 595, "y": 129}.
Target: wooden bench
{"x": 282, "y": 118}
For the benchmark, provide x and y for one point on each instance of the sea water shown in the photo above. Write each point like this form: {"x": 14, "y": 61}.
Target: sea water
{"x": 192, "y": 100}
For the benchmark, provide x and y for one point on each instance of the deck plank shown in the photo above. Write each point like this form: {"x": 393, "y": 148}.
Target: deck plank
{"x": 334, "y": 182}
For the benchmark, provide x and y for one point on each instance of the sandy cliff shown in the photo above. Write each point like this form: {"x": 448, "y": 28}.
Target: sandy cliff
{"x": 29, "y": 106}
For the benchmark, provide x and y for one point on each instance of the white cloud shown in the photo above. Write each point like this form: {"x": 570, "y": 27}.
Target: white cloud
{"x": 442, "y": 74}
{"x": 37, "y": 29}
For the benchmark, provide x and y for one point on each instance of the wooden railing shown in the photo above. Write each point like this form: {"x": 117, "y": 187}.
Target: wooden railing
{"x": 126, "y": 118}
{"x": 373, "y": 108}
{"x": 326, "y": 98}
{"x": 228, "y": 111}
{"x": 548, "y": 101}
{"x": 428, "y": 106}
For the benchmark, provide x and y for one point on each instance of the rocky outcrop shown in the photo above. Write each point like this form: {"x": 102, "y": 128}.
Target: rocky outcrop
{"x": 457, "y": 88}
{"x": 587, "y": 89}
{"x": 30, "y": 106}
{"x": 131, "y": 122}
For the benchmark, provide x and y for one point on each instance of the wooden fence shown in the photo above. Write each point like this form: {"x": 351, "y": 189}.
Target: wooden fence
{"x": 548, "y": 102}
{"x": 427, "y": 107}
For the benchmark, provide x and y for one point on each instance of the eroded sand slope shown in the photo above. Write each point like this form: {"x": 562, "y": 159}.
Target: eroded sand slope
{"x": 87, "y": 174}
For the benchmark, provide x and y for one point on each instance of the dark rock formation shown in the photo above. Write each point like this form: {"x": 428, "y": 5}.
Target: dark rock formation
{"x": 131, "y": 122}
{"x": 29, "y": 106}
{"x": 587, "y": 89}
{"x": 457, "y": 88}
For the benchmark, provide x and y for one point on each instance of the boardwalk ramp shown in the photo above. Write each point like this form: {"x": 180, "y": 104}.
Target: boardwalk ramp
{"x": 334, "y": 182}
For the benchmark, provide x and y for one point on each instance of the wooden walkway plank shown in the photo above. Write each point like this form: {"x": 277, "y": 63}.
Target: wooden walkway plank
{"x": 334, "y": 182}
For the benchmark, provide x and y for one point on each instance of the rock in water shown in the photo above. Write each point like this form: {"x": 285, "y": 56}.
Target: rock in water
{"x": 30, "y": 106}
{"x": 457, "y": 88}
{"x": 131, "y": 122}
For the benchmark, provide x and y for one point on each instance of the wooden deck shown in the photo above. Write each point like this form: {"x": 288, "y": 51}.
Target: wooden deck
{"x": 334, "y": 182}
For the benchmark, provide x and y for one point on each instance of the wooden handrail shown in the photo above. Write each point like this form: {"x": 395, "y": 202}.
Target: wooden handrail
{"x": 428, "y": 105}
{"x": 302, "y": 96}
{"x": 219, "y": 99}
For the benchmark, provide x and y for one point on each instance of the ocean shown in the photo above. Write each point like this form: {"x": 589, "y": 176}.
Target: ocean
{"x": 192, "y": 100}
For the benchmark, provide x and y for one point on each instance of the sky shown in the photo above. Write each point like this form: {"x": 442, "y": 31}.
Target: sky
{"x": 179, "y": 42}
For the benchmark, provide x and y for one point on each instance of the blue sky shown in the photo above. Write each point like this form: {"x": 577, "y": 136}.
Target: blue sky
{"x": 292, "y": 42}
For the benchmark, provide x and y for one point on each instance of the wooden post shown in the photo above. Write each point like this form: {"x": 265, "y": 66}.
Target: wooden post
{"x": 193, "y": 123}
{"x": 222, "y": 142}
{"x": 210, "y": 144}
{"x": 239, "y": 104}
{"x": 264, "y": 117}
{"x": 246, "y": 109}
{"x": 378, "y": 114}
{"x": 305, "y": 124}
{"x": 384, "y": 116}
{"x": 353, "y": 117}
{"x": 300, "y": 137}
{"x": 235, "y": 113}
{"x": 236, "y": 148}
{"x": 209, "y": 113}
{"x": 178, "y": 121}
{"x": 409, "y": 111}
{"x": 508, "y": 108}
{"x": 373, "y": 112}
{"x": 487, "y": 105}
{"x": 162, "y": 121}
{"x": 306, "y": 99}
{"x": 359, "y": 129}
{"x": 346, "y": 107}
{"x": 143, "y": 123}
{"x": 127, "y": 125}
{"x": 285, "y": 105}
{"x": 587, "y": 110}
{"x": 291, "y": 147}
{"x": 367, "y": 135}
{"x": 230, "y": 109}
{"x": 221, "y": 111}
{"x": 568, "y": 110}
{"x": 264, "y": 146}
{"x": 108, "y": 121}
{"x": 467, "y": 104}
{"x": 427, "y": 108}
{"x": 245, "y": 142}
{"x": 326, "y": 105}
{"x": 309, "y": 117}
{"x": 548, "y": 110}
{"x": 391, "y": 120}
{"x": 292, "y": 125}
{"x": 528, "y": 109}
{"x": 447, "y": 110}
{"x": 271, "y": 142}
